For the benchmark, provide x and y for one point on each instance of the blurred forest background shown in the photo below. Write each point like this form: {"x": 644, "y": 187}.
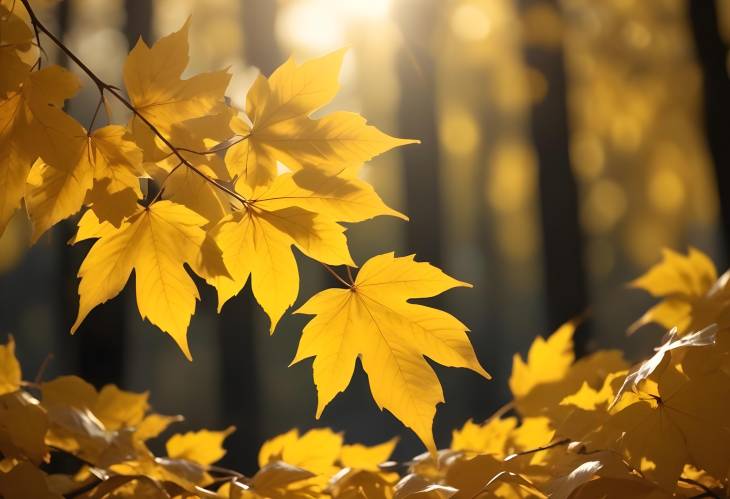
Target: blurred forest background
{"x": 564, "y": 143}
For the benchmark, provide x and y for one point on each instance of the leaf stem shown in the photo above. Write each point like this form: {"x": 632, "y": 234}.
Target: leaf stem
{"x": 220, "y": 147}
{"x": 42, "y": 369}
{"x": 96, "y": 113}
{"x": 557, "y": 443}
{"x": 103, "y": 86}
{"x": 336, "y": 275}
{"x": 162, "y": 184}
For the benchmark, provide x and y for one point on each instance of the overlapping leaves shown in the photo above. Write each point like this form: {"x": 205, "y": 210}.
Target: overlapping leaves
{"x": 190, "y": 184}
{"x": 591, "y": 428}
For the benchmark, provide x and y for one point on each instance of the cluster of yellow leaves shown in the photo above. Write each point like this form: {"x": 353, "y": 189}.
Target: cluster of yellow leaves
{"x": 191, "y": 181}
{"x": 585, "y": 428}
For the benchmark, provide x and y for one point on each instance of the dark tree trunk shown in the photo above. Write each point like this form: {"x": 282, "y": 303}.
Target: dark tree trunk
{"x": 239, "y": 369}
{"x": 259, "y": 23}
{"x": 565, "y": 279}
{"x": 712, "y": 54}
{"x": 100, "y": 341}
{"x": 139, "y": 22}
{"x": 417, "y": 119}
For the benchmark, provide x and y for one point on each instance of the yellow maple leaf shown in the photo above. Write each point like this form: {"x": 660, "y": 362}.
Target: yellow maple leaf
{"x": 156, "y": 242}
{"x": 682, "y": 282}
{"x": 152, "y": 76}
{"x": 547, "y": 361}
{"x": 16, "y": 49}
{"x": 670, "y": 421}
{"x": 33, "y": 125}
{"x": 256, "y": 241}
{"x": 365, "y": 457}
{"x": 23, "y": 426}
{"x": 280, "y": 129}
{"x": 10, "y": 375}
{"x": 25, "y": 481}
{"x": 57, "y": 191}
{"x": 276, "y": 479}
{"x": 490, "y": 437}
{"x": 153, "y": 425}
{"x": 339, "y": 197}
{"x": 113, "y": 407}
{"x": 117, "y": 165}
{"x": 374, "y": 321}
{"x": 550, "y": 375}
{"x": 204, "y": 447}
{"x": 316, "y": 451}
{"x": 184, "y": 186}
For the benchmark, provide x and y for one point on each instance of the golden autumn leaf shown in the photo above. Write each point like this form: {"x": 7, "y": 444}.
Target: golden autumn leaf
{"x": 114, "y": 408}
{"x": 490, "y": 437}
{"x": 33, "y": 125}
{"x": 203, "y": 447}
{"x": 670, "y": 421}
{"x": 257, "y": 242}
{"x": 105, "y": 159}
{"x": 316, "y": 450}
{"x": 547, "y": 361}
{"x": 23, "y": 426}
{"x": 152, "y": 425}
{"x": 361, "y": 484}
{"x": 152, "y": 76}
{"x": 643, "y": 370}
{"x": 278, "y": 479}
{"x": 549, "y": 375}
{"x": 181, "y": 184}
{"x": 681, "y": 281}
{"x": 25, "y": 481}
{"x": 16, "y": 50}
{"x": 156, "y": 242}
{"x": 365, "y": 457}
{"x": 374, "y": 321}
{"x": 279, "y": 127}
{"x": 10, "y": 375}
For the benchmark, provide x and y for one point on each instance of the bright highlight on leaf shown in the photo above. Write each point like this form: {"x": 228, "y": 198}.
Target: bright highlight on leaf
{"x": 279, "y": 127}
{"x": 374, "y": 320}
{"x": 681, "y": 281}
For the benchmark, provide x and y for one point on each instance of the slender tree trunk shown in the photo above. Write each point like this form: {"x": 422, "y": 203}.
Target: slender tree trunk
{"x": 239, "y": 365}
{"x": 259, "y": 23}
{"x": 712, "y": 53}
{"x": 564, "y": 269}
{"x": 417, "y": 119}
{"x": 139, "y": 22}
{"x": 100, "y": 340}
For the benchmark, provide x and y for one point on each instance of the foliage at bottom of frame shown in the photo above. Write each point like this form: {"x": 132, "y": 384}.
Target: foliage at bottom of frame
{"x": 585, "y": 428}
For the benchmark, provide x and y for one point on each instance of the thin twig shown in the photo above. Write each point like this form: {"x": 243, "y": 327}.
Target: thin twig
{"x": 337, "y": 276}
{"x": 42, "y": 369}
{"x": 557, "y": 443}
{"x": 500, "y": 412}
{"x": 103, "y": 86}
{"x": 96, "y": 113}
{"x": 162, "y": 185}
{"x": 83, "y": 489}
{"x": 220, "y": 147}
{"x": 708, "y": 492}
{"x": 226, "y": 472}
{"x": 349, "y": 275}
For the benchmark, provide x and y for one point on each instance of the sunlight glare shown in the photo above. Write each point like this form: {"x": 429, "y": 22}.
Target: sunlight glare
{"x": 318, "y": 25}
